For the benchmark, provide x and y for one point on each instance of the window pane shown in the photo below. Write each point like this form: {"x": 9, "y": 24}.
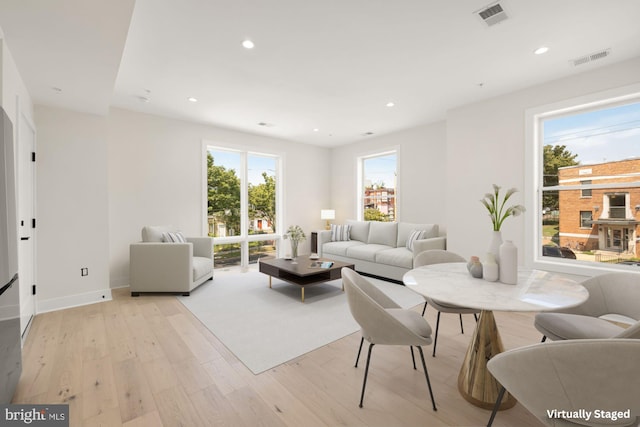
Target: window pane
{"x": 257, "y": 250}
{"x": 590, "y": 179}
{"x": 226, "y": 255}
{"x": 261, "y": 175}
{"x": 379, "y": 182}
{"x": 223, "y": 182}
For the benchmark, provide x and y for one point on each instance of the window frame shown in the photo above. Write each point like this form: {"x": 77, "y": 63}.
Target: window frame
{"x": 533, "y": 176}
{"x": 360, "y": 170}
{"x": 244, "y": 238}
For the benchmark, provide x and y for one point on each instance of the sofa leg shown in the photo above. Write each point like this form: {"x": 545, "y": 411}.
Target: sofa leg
{"x": 135, "y": 294}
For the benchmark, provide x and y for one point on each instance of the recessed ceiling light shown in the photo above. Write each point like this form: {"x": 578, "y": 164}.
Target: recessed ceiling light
{"x": 192, "y": 99}
{"x": 390, "y": 104}
{"x": 316, "y": 130}
{"x": 541, "y": 50}
{"x": 248, "y": 44}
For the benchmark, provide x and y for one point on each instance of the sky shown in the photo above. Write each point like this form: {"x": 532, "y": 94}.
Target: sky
{"x": 256, "y": 164}
{"x": 381, "y": 170}
{"x": 598, "y": 136}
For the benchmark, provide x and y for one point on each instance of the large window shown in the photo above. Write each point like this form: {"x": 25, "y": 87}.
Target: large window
{"x": 378, "y": 196}
{"x": 242, "y": 208}
{"x": 589, "y": 170}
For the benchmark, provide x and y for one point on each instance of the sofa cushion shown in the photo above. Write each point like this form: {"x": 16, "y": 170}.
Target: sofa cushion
{"x": 366, "y": 252}
{"x": 340, "y": 233}
{"x": 201, "y": 267}
{"x": 359, "y": 230}
{"x": 383, "y": 233}
{"x": 153, "y": 233}
{"x": 339, "y": 248}
{"x": 170, "y": 237}
{"x": 405, "y": 228}
{"x": 413, "y": 236}
{"x": 398, "y": 257}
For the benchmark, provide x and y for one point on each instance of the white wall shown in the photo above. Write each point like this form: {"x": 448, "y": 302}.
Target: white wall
{"x": 72, "y": 206}
{"x": 12, "y": 88}
{"x": 421, "y": 158}
{"x": 486, "y": 145}
{"x": 156, "y": 177}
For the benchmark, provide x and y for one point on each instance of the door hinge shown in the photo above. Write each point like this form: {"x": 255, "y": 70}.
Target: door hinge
{"x": 33, "y": 156}
{"x": 33, "y": 223}
{"x": 33, "y": 289}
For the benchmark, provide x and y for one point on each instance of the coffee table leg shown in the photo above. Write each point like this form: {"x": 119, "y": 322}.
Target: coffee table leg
{"x": 269, "y": 281}
{"x": 302, "y": 288}
{"x": 475, "y": 382}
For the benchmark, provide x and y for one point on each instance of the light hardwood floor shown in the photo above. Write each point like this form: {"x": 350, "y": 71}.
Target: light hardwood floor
{"x": 148, "y": 361}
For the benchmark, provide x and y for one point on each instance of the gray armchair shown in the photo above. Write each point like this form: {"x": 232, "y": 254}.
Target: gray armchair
{"x": 565, "y": 382}
{"x": 159, "y": 266}
{"x": 611, "y": 311}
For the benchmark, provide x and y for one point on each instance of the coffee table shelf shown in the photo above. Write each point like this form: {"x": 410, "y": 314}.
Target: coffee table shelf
{"x": 300, "y": 272}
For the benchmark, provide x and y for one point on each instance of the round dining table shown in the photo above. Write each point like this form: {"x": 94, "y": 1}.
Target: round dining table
{"x": 535, "y": 290}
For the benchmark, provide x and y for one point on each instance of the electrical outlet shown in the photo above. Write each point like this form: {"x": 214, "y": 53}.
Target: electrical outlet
{"x": 84, "y": 271}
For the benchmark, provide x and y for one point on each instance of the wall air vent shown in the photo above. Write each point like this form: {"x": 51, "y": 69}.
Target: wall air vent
{"x": 591, "y": 57}
{"x": 492, "y": 14}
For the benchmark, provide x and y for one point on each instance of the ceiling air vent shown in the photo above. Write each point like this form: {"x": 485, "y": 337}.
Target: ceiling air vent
{"x": 492, "y": 14}
{"x": 590, "y": 58}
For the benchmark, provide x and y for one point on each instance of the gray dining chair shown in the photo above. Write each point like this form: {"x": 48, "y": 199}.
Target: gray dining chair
{"x": 577, "y": 376}
{"x": 611, "y": 311}
{"x": 438, "y": 256}
{"x": 384, "y": 322}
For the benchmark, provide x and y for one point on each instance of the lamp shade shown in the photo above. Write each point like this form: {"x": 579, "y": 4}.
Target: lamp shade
{"x": 327, "y": 214}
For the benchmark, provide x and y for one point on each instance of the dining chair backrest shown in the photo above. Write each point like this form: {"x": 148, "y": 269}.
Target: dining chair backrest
{"x": 436, "y": 256}
{"x": 573, "y": 376}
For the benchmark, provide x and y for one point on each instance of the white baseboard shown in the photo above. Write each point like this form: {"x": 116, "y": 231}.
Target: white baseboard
{"x": 53, "y": 304}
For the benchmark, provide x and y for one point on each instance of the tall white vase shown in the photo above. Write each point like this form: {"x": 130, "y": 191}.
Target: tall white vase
{"x": 494, "y": 247}
{"x": 508, "y": 263}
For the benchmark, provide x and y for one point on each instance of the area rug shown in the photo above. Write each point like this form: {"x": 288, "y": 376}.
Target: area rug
{"x": 265, "y": 327}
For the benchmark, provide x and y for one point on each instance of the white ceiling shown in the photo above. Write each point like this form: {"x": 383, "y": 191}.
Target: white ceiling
{"x": 330, "y": 65}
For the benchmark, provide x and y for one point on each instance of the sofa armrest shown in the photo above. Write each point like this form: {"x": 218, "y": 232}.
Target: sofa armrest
{"x": 160, "y": 267}
{"x": 202, "y": 246}
{"x": 427, "y": 244}
{"x": 324, "y": 236}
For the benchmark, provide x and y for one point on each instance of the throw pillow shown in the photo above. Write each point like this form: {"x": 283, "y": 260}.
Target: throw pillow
{"x": 413, "y": 236}
{"x": 340, "y": 233}
{"x": 177, "y": 237}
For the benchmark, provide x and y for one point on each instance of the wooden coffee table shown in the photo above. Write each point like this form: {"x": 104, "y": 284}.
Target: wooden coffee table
{"x": 300, "y": 272}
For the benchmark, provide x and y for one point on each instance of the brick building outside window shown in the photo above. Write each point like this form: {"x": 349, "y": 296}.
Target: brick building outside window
{"x": 604, "y": 217}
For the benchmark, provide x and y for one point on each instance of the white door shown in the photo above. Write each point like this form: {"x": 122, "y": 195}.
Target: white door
{"x": 26, "y": 142}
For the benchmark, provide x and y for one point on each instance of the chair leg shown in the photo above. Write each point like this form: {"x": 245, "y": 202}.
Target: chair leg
{"x": 435, "y": 341}
{"x": 461, "y": 327}
{"x": 413, "y": 357}
{"x": 496, "y": 406}
{"x": 359, "y": 350}
{"x": 544, "y": 338}
{"x": 425, "y": 308}
{"x": 426, "y": 375}
{"x": 366, "y": 372}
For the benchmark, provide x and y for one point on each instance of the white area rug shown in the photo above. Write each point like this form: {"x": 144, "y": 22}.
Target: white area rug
{"x": 266, "y": 327}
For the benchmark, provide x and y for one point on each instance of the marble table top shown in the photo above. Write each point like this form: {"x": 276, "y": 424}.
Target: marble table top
{"x": 536, "y": 290}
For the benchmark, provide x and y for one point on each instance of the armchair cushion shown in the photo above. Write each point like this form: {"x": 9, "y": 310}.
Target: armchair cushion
{"x": 170, "y": 237}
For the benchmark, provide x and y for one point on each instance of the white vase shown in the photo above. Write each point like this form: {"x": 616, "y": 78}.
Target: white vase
{"x": 494, "y": 247}
{"x": 508, "y": 263}
{"x": 490, "y": 269}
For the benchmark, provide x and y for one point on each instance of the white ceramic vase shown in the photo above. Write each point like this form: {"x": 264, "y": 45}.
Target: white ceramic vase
{"x": 494, "y": 247}
{"x": 490, "y": 269}
{"x": 508, "y": 263}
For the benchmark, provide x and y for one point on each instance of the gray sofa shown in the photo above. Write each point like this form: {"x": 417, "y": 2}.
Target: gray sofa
{"x": 380, "y": 248}
{"x": 158, "y": 266}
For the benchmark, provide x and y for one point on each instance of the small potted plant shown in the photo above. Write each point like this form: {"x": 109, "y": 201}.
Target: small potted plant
{"x": 296, "y": 235}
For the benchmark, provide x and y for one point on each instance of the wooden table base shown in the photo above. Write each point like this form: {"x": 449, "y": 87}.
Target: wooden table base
{"x": 475, "y": 382}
